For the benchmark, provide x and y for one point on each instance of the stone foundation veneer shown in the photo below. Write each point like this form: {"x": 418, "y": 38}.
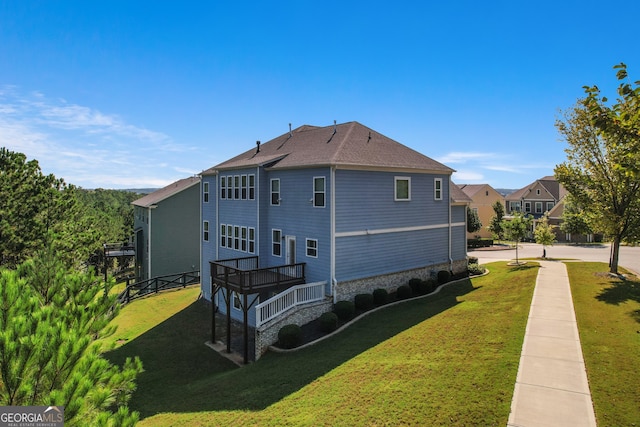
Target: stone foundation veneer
{"x": 267, "y": 334}
{"x": 346, "y": 291}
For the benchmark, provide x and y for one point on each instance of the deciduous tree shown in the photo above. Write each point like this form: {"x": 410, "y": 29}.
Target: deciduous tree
{"x": 495, "y": 226}
{"x": 517, "y": 228}
{"x": 473, "y": 221}
{"x": 544, "y": 234}
{"x": 602, "y": 170}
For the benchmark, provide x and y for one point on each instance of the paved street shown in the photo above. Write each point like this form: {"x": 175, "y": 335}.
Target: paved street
{"x": 629, "y": 256}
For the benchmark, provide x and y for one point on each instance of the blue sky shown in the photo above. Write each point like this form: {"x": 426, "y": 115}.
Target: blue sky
{"x": 136, "y": 94}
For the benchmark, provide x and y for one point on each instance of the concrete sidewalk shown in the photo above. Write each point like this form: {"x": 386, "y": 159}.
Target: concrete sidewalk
{"x": 551, "y": 387}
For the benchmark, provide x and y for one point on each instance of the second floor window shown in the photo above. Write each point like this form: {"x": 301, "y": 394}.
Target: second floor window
{"x": 223, "y": 187}
{"x": 205, "y": 192}
{"x": 527, "y": 206}
{"x": 549, "y": 206}
{"x": 252, "y": 187}
{"x": 437, "y": 189}
{"x": 244, "y": 187}
{"x": 275, "y": 192}
{"x": 318, "y": 192}
{"x": 236, "y": 187}
{"x": 403, "y": 188}
{"x": 538, "y": 207}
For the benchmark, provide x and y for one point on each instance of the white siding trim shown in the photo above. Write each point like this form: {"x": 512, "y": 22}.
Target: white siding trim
{"x": 397, "y": 229}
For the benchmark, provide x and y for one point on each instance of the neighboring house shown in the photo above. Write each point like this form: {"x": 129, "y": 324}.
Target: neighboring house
{"x": 555, "y": 219}
{"x": 331, "y": 211}
{"x": 483, "y": 197}
{"x": 536, "y": 198}
{"x": 167, "y": 230}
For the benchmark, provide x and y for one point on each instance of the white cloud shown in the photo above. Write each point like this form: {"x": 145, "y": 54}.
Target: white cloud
{"x": 87, "y": 147}
{"x": 467, "y": 176}
{"x": 458, "y": 157}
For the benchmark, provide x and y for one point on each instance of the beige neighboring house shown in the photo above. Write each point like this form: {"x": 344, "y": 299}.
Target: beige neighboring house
{"x": 483, "y": 197}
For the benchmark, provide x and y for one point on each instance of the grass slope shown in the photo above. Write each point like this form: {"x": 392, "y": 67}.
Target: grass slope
{"x": 608, "y": 316}
{"x": 451, "y": 358}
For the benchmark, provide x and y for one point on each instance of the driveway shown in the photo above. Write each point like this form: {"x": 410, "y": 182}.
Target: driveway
{"x": 629, "y": 256}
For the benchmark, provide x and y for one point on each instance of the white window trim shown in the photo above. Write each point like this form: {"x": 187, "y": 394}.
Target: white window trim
{"x": 223, "y": 235}
{"x": 324, "y": 192}
{"x": 273, "y": 242}
{"x": 437, "y": 192}
{"x": 251, "y": 183}
{"x": 271, "y": 192}
{"x": 251, "y": 241}
{"x": 244, "y": 187}
{"x": 236, "y": 187}
{"x": 536, "y": 207}
{"x": 205, "y": 231}
{"x": 205, "y": 192}
{"x": 312, "y": 248}
{"x": 395, "y": 188}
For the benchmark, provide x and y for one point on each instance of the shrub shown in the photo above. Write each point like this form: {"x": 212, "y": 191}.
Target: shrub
{"x": 426, "y": 286}
{"x": 443, "y": 276}
{"x": 472, "y": 260}
{"x": 415, "y": 285}
{"x": 345, "y": 310}
{"x": 404, "y": 292}
{"x": 475, "y": 269}
{"x": 364, "y": 302}
{"x": 289, "y": 336}
{"x": 328, "y": 322}
{"x": 380, "y": 296}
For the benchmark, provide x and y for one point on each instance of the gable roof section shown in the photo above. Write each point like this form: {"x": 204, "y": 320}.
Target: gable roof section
{"x": 458, "y": 195}
{"x": 549, "y": 183}
{"x": 471, "y": 189}
{"x": 347, "y": 145}
{"x": 166, "y": 192}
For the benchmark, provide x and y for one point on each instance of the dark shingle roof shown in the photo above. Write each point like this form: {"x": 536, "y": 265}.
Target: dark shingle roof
{"x": 458, "y": 195}
{"x": 166, "y": 192}
{"x": 344, "y": 145}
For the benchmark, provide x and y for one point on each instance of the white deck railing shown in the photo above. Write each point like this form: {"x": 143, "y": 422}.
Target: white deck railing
{"x": 295, "y": 295}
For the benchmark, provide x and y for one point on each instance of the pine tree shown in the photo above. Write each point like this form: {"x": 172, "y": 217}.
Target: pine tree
{"x": 50, "y": 319}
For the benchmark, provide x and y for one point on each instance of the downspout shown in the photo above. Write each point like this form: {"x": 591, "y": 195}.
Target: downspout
{"x": 450, "y": 233}
{"x": 334, "y": 282}
{"x": 258, "y": 231}
{"x": 150, "y": 246}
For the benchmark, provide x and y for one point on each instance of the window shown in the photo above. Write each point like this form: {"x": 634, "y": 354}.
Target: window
{"x": 403, "y": 188}
{"x": 437, "y": 189}
{"x": 318, "y": 192}
{"x": 514, "y": 206}
{"x": 252, "y": 187}
{"x": 252, "y": 240}
{"x": 230, "y": 236}
{"x": 205, "y": 231}
{"x": 538, "y": 207}
{"x": 205, "y": 192}
{"x": 243, "y": 239}
{"x": 236, "y": 238}
{"x": 229, "y": 187}
{"x": 527, "y": 206}
{"x": 244, "y": 187}
{"x": 223, "y": 187}
{"x": 223, "y": 235}
{"x": 276, "y": 243}
{"x": 549, "y": 206}
{"x": 236, "y": 187}
{"x": 237, "y": 304}
{"x": 275, "y": 192}
{"x": 312, "y": 248}
{"x": 538, "y": 191}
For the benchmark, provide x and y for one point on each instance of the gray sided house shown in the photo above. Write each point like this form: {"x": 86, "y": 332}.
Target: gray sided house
{"x": 167, "y": 230}
{"x": 320, "y": 214}
{"x": 536, "y": 198}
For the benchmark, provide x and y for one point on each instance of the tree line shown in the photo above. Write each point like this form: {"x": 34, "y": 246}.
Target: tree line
{"x": 54, "y": 306}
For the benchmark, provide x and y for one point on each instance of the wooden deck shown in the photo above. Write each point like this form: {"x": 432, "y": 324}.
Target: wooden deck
{"x": 234, "y": 275}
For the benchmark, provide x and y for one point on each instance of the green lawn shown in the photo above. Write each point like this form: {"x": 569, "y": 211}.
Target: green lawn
{"x": 608, "y": 316}
{"x": 449, "y": 359}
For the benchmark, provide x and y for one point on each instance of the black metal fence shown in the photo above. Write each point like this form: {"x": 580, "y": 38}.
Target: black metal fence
{"x": 157, "y": 284}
